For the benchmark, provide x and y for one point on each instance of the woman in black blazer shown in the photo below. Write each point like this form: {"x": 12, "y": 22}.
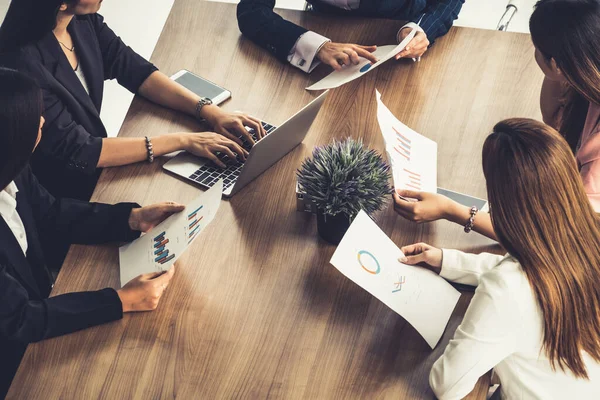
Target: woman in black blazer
{"x": 31, "y": 219}
{"x": 54, "y": 41}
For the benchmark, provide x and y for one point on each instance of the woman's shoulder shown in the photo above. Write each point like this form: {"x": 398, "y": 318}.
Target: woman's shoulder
{"x": 508, "y": 277}
{"x": 27, "y": 59}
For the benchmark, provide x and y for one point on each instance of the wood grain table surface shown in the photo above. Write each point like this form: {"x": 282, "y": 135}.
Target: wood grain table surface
{"x": 255, "y": 310}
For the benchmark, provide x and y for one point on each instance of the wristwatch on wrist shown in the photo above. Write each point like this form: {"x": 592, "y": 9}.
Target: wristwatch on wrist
{"x": 204, "y": 101}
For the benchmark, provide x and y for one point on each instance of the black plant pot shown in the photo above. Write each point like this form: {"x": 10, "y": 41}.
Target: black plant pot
{"x": 332, "y": 228}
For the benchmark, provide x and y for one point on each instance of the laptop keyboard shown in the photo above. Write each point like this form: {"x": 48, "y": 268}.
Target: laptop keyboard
{"x": 210, "y": 173}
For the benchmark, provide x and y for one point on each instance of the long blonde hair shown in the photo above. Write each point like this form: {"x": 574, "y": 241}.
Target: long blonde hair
{"x": 542, "y": 216}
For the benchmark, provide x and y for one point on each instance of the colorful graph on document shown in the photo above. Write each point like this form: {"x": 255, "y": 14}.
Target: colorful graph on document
{"x": 193, "y": 224}
{"x": 403, "y": 145}
{"x": 412, "y": 179}
{"x": 368, "y": 262}
{"x": 161, "y": 250}
{"x": 398, "y": 284}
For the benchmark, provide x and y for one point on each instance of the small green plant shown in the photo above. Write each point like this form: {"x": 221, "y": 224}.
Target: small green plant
{"x": 345, "y": 177}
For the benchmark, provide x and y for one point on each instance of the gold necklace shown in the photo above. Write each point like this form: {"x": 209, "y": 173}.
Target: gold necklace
{"x": 67, "y": 47}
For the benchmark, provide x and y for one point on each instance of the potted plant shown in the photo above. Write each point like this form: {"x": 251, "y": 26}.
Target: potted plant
{"x": 342, "y": 178}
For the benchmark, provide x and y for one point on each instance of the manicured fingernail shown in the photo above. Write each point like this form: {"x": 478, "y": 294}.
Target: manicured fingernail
{"x": 403, "y": 259}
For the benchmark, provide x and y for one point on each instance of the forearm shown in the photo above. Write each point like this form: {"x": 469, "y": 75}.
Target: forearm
{"x": 164, "y": 91}
{"x": 438, "y": 17}
{"x": 550, "y": 101}
{"x": 122, "y": 151}
{"x": 482, "y": 224}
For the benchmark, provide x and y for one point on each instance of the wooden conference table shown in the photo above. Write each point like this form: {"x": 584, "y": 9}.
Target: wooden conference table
{"x": 255, "y": 310}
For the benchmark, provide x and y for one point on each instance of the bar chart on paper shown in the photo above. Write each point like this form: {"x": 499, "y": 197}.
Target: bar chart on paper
{"x": 193, "y": 226}
{"x": 402, "y": 145}
{"x": 413, "y": 157}
{"x": 159, "y": 249}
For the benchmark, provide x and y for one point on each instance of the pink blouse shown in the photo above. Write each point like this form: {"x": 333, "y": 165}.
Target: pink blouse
{"x": 588, "y": 155}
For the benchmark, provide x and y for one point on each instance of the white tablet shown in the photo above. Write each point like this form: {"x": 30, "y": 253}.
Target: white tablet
{"x": 201, "y": 86}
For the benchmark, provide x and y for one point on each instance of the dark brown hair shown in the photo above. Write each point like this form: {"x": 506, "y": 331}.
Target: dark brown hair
{"x": 542, "y": 216}
{"x": 568, "y": 31}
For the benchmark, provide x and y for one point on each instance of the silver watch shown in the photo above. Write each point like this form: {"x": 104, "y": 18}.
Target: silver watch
{"x": 204, "y": 101}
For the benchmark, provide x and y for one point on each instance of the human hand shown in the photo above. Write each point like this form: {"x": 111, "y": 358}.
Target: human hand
{"x": 144, "y": 292}
{"x": 423, "y": 253}
{"x": 427, "y": 207}
{"x": 145, "y": 218}
{"x": 416, "y": 47}
{"x": 232, "y": 125}
{"x": 206, "y": 144}
{"x": 339, "y": 54}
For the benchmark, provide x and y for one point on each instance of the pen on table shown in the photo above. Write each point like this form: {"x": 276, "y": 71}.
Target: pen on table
{"x": 418, "y": 24}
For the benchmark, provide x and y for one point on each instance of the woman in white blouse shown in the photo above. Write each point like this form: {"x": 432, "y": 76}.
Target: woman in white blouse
{"x": 535, "y": 315}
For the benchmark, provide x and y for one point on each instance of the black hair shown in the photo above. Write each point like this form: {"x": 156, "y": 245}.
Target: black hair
{"x": 21, "y": 106}
{"x": 27, "y": 21}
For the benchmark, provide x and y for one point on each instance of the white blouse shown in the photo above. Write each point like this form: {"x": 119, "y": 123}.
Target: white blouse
{"x": 503, "y": 330}
{"x": 8, "y": 211}
{"x": 81, "y": 76}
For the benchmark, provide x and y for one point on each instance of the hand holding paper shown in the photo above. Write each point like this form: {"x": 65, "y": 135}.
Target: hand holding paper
{"x": 413, "y": 157}
{"x": 352, "y": 71}
{"x": 370, "y": 259}
{"x": 157, "y": 250}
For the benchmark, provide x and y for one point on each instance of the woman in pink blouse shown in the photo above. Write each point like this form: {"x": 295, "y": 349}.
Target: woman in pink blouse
{"x": 565, "y": 35}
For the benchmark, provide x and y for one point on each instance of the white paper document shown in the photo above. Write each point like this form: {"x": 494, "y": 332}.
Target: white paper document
{"x": 369, "y": 258}
{"x": 158, "y": 249}
{"x": 413, "y": 157}
{"x": 351, "y": 72}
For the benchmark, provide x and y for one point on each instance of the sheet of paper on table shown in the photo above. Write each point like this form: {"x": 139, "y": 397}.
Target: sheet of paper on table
{"x": 369, "y": 258}
{"x": 157, "y": 250}
{"x": 413, "y": 157}
{"x": 351, "y": 72}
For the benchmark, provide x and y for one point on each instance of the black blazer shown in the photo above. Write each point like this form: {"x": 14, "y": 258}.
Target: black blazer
{"x": 66, "y": 158}
{"x": 26, "y": 313}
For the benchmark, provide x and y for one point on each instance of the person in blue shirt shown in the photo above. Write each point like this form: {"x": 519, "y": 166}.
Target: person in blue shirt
{"x": 305, "y": 49}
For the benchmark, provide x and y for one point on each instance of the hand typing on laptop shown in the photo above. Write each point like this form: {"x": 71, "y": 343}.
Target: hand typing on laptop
{"x": 210, "y": 145}
{"x": 235, "y": 126}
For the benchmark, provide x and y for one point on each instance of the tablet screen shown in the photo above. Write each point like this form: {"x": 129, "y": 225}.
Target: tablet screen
{"x": 464, "y": 199}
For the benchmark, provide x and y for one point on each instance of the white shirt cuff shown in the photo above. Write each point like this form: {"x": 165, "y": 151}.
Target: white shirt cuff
{"x": 410, "y": 25}
{"x": 303, "y": 54}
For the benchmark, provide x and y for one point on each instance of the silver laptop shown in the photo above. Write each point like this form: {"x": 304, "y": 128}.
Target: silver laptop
{"x": 277, "y": 143}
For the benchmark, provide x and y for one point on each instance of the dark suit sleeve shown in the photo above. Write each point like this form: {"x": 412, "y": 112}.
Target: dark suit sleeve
{"x": 120, "y": 61}
{"x": 65, "y": 141}
{"x": 25, "y": 320}
{"x": 260, "y": 24}
{"x": 78, "y": 221}
{"x": 439, "y": 17}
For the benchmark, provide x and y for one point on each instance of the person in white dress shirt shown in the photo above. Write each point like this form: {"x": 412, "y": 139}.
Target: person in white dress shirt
{"x": 305, "y": 49}
{"x": 535, "y": 315}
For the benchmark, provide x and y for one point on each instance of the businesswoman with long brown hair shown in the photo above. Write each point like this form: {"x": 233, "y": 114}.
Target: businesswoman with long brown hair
{"x": 565, "y": 35}
{"x": 535, "y": 315}
{"x": 66, "y": 46}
